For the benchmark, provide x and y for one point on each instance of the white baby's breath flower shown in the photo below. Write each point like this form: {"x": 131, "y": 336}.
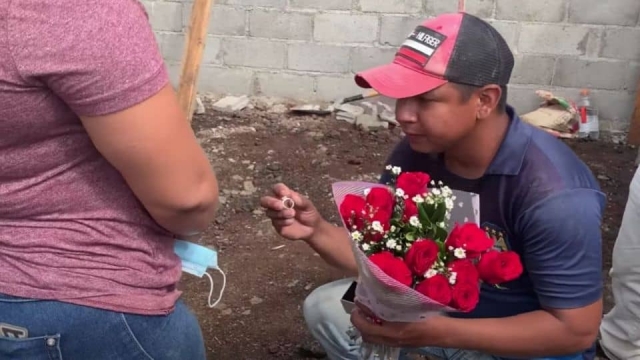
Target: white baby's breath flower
{"x": 460, "y": 253}
{"x": 418, "y": 199}
{"x": 366, "y": 247}
{"x": 448, "y": 203}
{"x": 414, "y": 221}
{"x": 452, "y": 278}
{"x": 356, "y": 236}
{"x": 396, "y": 170}
{"x": 366, "y": 191}
{"x": 392, "y": 228}
{"x": 388, "y": 167}
{"x": 400, "y": 193}
{"x": 430, "y": 273}
{"x": 398, "y": 248}
{"x": 432, "y": 182}
{"x": 440, "y": 183}
{"x": 436, "y": 192}
{"x": 460, "y": 204}
{"x": 442, "y": 224}
{"x": 450, "y": 248}
{"x": 377, "y": 226}
{"x": 391, "y": 243}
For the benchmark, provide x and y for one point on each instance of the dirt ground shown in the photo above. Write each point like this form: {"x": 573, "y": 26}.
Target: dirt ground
{"x": 260, "y": 316}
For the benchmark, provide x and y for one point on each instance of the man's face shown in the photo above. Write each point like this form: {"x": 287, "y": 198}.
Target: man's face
{"x": 436, "y": 120}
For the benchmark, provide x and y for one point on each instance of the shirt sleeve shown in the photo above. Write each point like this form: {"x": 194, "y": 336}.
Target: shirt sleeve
{"x": 97, "y": 56}
{"x": 563, "y": 248}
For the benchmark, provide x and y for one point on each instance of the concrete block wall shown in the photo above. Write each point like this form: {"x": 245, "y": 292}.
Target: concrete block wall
{"x": 310, "y": 49}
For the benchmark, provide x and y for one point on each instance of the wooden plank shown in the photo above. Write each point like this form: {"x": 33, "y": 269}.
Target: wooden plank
{"x": 634, "y": 128}
{"x": 196, "y": 41}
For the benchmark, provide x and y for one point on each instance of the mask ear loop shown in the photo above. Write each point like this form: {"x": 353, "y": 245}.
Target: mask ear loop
{"x": 224, "y": 283}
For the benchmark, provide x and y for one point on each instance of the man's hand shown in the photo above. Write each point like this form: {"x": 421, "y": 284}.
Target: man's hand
{"x": 395, "y": 334}
{"x": 299, "y": 223}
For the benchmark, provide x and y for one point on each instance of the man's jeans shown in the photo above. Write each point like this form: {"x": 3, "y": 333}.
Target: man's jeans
{"x": 620, "y": 328}
{"x": 329, "y": 324}
{"x": 61, "y": 331}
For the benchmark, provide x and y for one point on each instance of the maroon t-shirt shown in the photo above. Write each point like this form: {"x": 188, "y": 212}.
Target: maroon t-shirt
{"x": 70, "y": 227}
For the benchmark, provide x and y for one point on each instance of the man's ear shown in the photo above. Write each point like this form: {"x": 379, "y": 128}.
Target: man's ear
{"x": 488, "y": 97}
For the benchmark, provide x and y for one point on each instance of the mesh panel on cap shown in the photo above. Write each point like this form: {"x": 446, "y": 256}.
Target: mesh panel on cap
{"x": 481, "y": 56}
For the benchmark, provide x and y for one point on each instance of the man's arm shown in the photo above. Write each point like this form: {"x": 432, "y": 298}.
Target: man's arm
{"x": 564, "y": 259}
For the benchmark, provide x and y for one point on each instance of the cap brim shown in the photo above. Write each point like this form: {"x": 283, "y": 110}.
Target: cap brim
{"x": 396, "y": 81}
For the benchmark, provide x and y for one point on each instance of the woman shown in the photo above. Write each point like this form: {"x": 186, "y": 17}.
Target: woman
{"x": 99, "y": 173}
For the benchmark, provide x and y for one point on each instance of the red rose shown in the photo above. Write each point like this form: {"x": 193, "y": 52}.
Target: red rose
{"x": 465, "y": 296}
{"x": 393, "y": 266}
{"x": 413, "y": 183}
{"x": 381, "y": 198}
{"x": 436, "y": 288}
{"x": 410, "y": 209}
{"x": 496, "y": 267}
{"x": 352, "y": 211}
{"x": 421, "y": 255}
{"x": 471, "y": 238}
{"x": 465, "y": 271}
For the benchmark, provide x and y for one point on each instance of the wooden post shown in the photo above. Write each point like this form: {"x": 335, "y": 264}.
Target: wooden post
{"x": 634, "y": 126}
{"x": 196, "y": 41}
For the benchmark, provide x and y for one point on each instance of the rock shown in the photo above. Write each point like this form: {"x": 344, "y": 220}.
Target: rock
{"x": 293, "y": 283}
{"x": 237, "y": 178}
{"x": 200, "y": 109}
{"x": 370, "y": 122}
{"x": 255, "y": 300}
{"x": 279, "y": 109}
{"x": 246, "y": 312}
{"x": 222, "y": 199}
{"x": 348, "y": 113}
{"x": 388, "y": 116}
{"x": 227, "y": 312}
{"x": 249, "y": 187}
{"x": 232, "y": 103}
{"x": 258, "y": 212}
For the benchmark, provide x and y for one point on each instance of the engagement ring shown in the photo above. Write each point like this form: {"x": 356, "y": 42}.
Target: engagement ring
{"x": 288, "y": 202}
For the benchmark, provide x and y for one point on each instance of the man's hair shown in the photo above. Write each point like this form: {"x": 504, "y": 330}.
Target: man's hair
{"x": 466, "y": 91}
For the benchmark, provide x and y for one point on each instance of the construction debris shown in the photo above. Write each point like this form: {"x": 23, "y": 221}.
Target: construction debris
{"x": 232, "y": 103}
{"x": 199, "y": 106}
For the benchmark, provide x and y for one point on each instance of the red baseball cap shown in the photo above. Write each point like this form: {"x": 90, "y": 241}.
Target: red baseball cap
{"x": 456, "y": 47}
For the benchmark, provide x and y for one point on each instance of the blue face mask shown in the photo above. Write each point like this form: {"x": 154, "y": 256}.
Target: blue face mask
{"x": 196, "y": 259}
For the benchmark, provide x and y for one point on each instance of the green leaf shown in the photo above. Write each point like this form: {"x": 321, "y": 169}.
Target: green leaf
{"x": 441, "y": 234}
{"x": 423, "y": 215}
{"x": 439, "y": 213}
{"x": 409, "y": 236}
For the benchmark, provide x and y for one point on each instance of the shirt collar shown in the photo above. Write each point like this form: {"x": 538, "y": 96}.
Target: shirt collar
{"x": 510, "y": 156}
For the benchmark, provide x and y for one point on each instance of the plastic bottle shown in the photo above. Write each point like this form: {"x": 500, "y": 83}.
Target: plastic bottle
{"x": 589, "y": 127}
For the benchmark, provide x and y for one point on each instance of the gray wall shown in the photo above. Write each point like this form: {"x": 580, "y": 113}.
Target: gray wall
{"x": 309, "y": 49}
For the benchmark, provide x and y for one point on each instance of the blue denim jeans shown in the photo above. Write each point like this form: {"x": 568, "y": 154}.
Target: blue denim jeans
{"x": 60, "y": 331}
{"x": 329, "y": 324}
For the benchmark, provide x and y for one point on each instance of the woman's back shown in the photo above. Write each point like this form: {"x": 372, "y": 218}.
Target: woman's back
{"x": 70, "y": 227}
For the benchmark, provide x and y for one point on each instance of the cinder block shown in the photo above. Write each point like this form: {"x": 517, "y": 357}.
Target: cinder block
{"x": 333, "y": 88}
{"x": 363, "y": 58}
{"x": 148, "y": 7}
{"x": 167, "y": 16}
{"x": 345, "y": 28}
{"x": 172, "y": 46}
{"x": 395, "y": 6}
{"x": 553, "y": 39}
{"x": 278, "y": 4}
{"x": 254, "y": 53}
{"x": 321, "y": 4}
{"x": 174, "y": 74}
{"x": 533, "y": 69}
{"x": 509, "y": 31}
{"x": 531, "y": 10}
{"x": 479, "y": 8}
{"x": 523, "y": 98}
{"x": 395, "y": 29}
{"x": 615, "y": 106}
{"x": 280, "y": 25}
{"x": 212, "y": 51}
{"x": 633, "y": 80}
{"x": 622, "y": 43}
{"x": 318, "y": 57}
{"x": 221, "y": 80}
{"x": 609, "y": 12}
{"x": 285, "y": 85}
{"x": 224, "y": 20}
{"x": 602, "y": 74}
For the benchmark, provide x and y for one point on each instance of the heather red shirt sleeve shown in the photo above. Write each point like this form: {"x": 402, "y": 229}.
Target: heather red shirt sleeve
{"x": 98, "y": 56}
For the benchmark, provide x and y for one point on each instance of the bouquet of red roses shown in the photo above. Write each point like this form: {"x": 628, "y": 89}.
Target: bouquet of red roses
{"x": 417, "y": 252}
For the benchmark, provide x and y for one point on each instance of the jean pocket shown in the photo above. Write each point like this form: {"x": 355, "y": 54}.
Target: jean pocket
{"x": 35, "y": 348}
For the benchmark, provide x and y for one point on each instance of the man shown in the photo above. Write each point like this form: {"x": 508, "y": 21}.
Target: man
{"x": 620, "y": 328}
{"x": 537, "y": 198}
